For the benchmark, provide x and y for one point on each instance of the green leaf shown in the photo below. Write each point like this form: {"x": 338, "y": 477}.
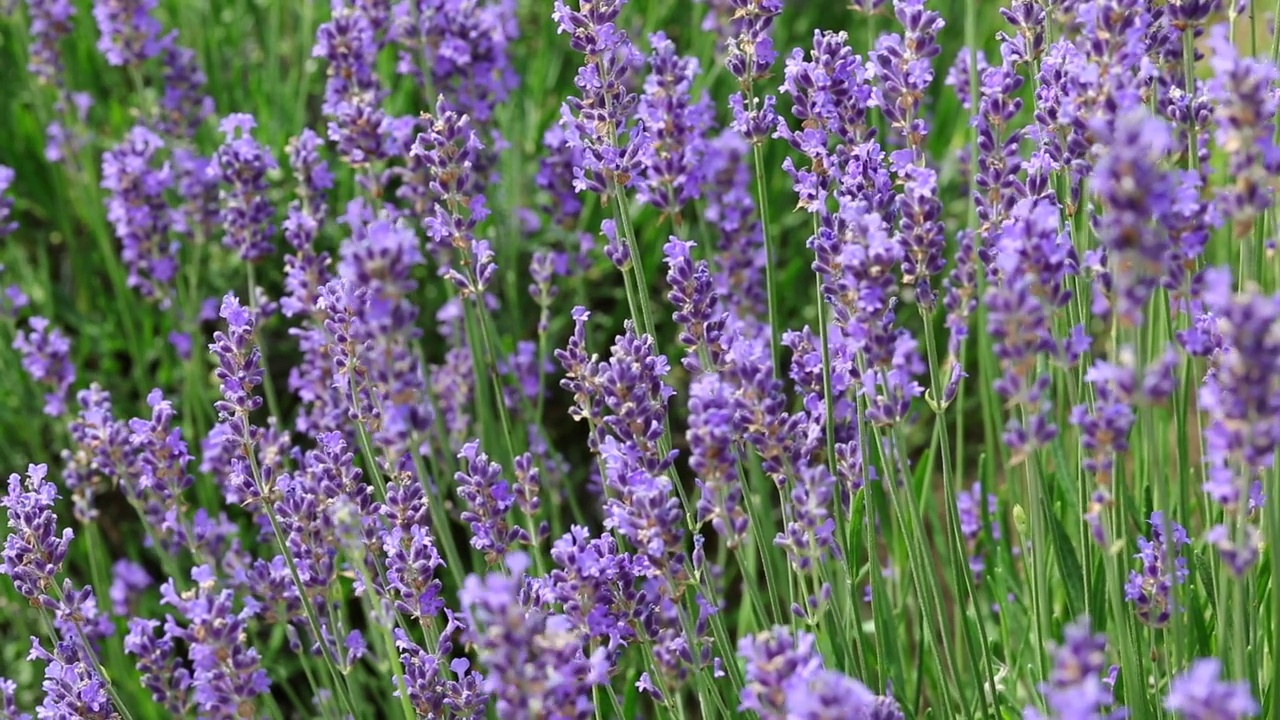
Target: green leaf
{"x": 1068, "y": 562}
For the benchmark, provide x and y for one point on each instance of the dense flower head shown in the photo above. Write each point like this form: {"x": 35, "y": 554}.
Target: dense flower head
{"x": 1201, "y": 693}
{"x": 785, "y": 679}
{"x": 163, "y": 476}
{"x": 904, "y": 68}
{"x": 598, "y": 124}
{"x": 489, "y": 500}
{"x": 7, "y": 223}
{"x": 713, "y": 457}
{"x": 128, "y": 33}
{"x": 1244, "y": 107}
{"x": 46, "y": 357}
{"x": 461, "y": 47}
{"x": 164, "y": 673}
{"x": 537, "y": 664}
{"x": 677, "y": 126}
{"x": 73, "y": 688}
{"x": 34, "y": 550}
{"x": 183, "y": 105}
{"x": 750, "y": 53}
{"x": 241, "y": 164}
{"x": 138, "y": 182}
{"x": 226, "y": 672}
{"x": 50, "y": 23}
{"x": 1151, "y": 588}
{"x": 1136, "y": 193}
{"x": 239, "y": 365}
{"x": 1076, "y": 687}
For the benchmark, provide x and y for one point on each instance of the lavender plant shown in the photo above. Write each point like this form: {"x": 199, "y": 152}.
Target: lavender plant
{"x": 596, "y": 359}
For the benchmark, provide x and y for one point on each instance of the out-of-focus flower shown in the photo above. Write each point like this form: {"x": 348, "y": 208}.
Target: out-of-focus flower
{"x": 1200, "y": 693}
{"x": 46, "y": 356}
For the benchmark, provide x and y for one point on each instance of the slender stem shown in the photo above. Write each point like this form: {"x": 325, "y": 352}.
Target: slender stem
{"x": 770, "y": 282}
{"x": 268, "y": 386}
{"x": 331, "y": 661}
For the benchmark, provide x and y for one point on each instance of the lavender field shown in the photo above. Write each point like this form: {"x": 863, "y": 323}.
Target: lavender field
{"x": 663, "y": 359}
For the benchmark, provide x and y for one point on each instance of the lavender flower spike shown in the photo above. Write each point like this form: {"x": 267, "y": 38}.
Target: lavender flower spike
{"x": 7, "y": 225}
{"x": 1200, "y": 693}
{"x": 241, "y": 164}
{"x": 46, "y": 356}
{"x": 34, "y": 551}
{"x": 127, "y": 32}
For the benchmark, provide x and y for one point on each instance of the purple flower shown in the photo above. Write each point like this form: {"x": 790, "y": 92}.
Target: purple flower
{"x": 183, "y": 105}
{"x": 785, "y": 680}
{"x": 411, "y": 563}
{"x": 1104, "y": 431}
{"x": 537, "y": 664}
{"x": 72, "y": 687}
{"x": 7, "y": 223}
{"x": 774, "y": 660}
{"x": 904, "y": 70}
{"x": 1076, "y": 688}
{"x": 164, "y": 674}
{"x": 1244, "y": 108}
{"x": 1135, "y": 191}
{"x": 970, "y": 512}
{"x": 46, "y": 356}
{"x": 697, "y": 312}
{"x": 432, "y": 691}
{"x": 138, "y": 210}
{"x": 8, "y": 704}
{"x": 241, "y": 164}
{"x": 597, "y": 124}
{"x": 239, "y": 369}
{"x": 1151, "y": 588}
{"x": 33, "y": 550}
{"x": 162, "y": 460}
{"x": 677, "y": 128}
{"x": 128, "y": 578}
{"x": 448, "y": 149}
{"x": 713, "y": 457}
{"x": 920, "y": 222}
{"x": 50, "y": 23}
{"x": 464, "y": 46}
{"x": 127, "y": 32}
{"x": 100, "y": 454}
{"x": 489, "y": 500}
{"x": 749, "y": 53}
{"x": 1200, "y": 693}
{"x": 1239, "y": 400}
{"x": 226, "y": 672}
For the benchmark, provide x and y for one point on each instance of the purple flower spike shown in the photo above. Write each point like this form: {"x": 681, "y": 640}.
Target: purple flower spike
{"x": 489, "y": 500}
{"x": 50, "y": 23}
{"x": 1076, "y": 687}
{"x": 537, "y": 664}
{"x": 8, "y": 704}
{"x": 128, "y": 34}
{"x": 1151, "y": 588}
{"x": 139, "y": 211}
{"x": 7, "y": 224}
{"x": 46, "y": 356}
{"x": 239, "y": 367}
{"x": 33, "y": 551}
{"x": 164, "y": 673}
{"x": 226, "y": 672}
{"x": 241, "y": 164}
{"x": 1200, "y": 693}
{"x": 597, "y": 124}
{"x": 785, "y": 680}
{"x": 677, "y": 125}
